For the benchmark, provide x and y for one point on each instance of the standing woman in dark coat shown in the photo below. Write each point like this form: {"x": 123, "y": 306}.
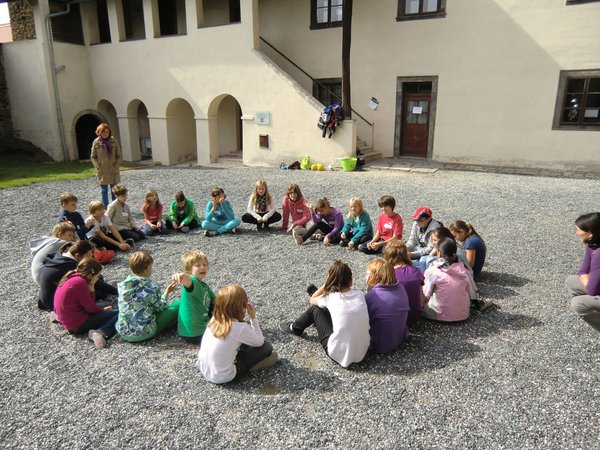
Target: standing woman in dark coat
{"x": 585, "y": 286}
{"x": 106, "y": 157}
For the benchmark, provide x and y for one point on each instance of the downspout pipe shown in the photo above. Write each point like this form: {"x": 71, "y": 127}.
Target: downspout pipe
{"x": 54, "y": 71}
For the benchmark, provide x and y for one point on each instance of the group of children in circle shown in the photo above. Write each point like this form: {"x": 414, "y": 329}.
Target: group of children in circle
{"x": 431, "y": 275}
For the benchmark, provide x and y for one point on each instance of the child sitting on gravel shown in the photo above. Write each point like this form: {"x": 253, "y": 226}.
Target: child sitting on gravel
{"x": 182, "y": 214}
{"x": 152, "y": 209}
{"x": 449, "y": 287}
{"x": 196, "y": 297}
{"x": 327, "y": 224}
{"x": 69, "y": 213}
{"x": 231, "y": 347}
{"x": 120, "y": 215}
{"x": 62, "y": 233}
{"x": 357, "y": 227}
{"x": 340, "y": 315}
{"x": 261, "y": 210}
{"x": 220, "y": 218}
{"x": 389, "y": 226}
{"x": 388, "y": 307}
{"x": 103, "y": 233}
{"x": 294, "y": 205}
{"x": 143, "y": 311}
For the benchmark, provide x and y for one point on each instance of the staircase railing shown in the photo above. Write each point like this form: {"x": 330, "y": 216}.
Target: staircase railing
{"x": 314, "y": 80}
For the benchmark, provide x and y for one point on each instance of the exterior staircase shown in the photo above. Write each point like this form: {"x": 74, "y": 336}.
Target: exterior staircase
{"x": 367, "y": 150}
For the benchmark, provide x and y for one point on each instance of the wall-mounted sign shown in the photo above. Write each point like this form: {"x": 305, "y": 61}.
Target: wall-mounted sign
{"x": 417, "y": 110}
{"x": 262, "y": 118}
{"x": 373, "y": 103}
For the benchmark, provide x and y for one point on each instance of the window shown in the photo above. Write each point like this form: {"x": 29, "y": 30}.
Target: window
{"x": 326, "y": 14}
{"x": 133, "y": 19}
{"x": 68, "y": 27}
{"x": 578, "y": 100}
{"x": 171, "y": 17}
{"x": 328, "y": 90}
{"x": 103, "y": 23}
{"x": 421, "y": 9}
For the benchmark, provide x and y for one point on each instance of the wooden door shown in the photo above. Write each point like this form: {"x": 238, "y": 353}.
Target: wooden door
{"x": 415, "y": 124}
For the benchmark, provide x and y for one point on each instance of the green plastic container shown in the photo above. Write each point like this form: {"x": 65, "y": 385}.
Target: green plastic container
{"x": 348, "y": 164}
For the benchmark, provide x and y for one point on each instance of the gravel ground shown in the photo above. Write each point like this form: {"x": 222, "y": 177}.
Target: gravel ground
{"x": 523, "y": 375}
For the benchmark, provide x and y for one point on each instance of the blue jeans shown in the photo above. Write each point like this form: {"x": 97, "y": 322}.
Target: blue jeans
{"x": 104, "y": 190}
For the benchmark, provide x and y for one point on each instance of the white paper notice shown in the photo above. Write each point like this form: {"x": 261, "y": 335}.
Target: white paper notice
{"x": 373, "y": 103}
{"x": 417, "y": 110}
{"x": 591, "y": 113}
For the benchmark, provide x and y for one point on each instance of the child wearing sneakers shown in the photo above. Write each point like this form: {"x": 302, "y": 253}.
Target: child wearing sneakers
{"x": 340, "y": 315}
{"x": 196, "y": 297}
{"x": 327, "y": 226}
{"x": 357, "y": 227}
{"x": 220, "y": 218}
{"x": 294, "y": 205}
{"x": 120, "y": 215}
{"x": 143, "y": 311}
{"x": 69, "y": 213}
{"x": 231, "y": 347}
{"x": 103, "y": 233}
{"x": 182, "y": 214}
{"x": 261, "y": 210}
{"x": 389, "y": 226}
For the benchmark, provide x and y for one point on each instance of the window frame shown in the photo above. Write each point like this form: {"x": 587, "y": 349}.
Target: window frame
{"x": 402, "y": 16}
{"x": 563, "y": 81}
{"x": 326, "y": 82}
{"x": 314, "y": 25}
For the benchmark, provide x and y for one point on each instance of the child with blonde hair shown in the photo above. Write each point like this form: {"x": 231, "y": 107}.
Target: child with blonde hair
{"x": 328, "y": 222}
{"x": 231, "y": 347}
{"x": 357, "y": 227}
{"x": 152, "y": 209}
{"x": 103, "y": 233}
{"x": 196, "y": 297}
{"x": 294, "y": 205}
{"x": 388, "y": 307}
{"x": 261, "y": 210}
{"x": 143, "y": 311}
{"x": 44, "y": 246}
{"x": 409, "y": 276}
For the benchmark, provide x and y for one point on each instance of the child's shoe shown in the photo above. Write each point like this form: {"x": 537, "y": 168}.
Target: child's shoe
{"x": 343, "y": 243}
{"x": 53, "y": 317}
{"x": 481, "y": 305}
{"x": 234, "y": 230}
{"x": 269, "y": 361}
{"x": 210, "y": 233}
{"x": 287, "y": 327}
{"x": 185, "y": 229}
{"x": 298, "y": 238}
{"x": 98, "y": 338}
{"x": 130, "y": 242}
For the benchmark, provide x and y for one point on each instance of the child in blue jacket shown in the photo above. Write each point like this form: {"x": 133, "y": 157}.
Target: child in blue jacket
{"x": 357, "y": 227}
{"x": 220, "y": 218}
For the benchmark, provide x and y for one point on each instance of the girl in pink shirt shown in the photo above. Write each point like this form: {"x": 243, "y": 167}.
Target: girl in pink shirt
{"x": 449, "y": 286}
{"x": 294, "y": 205}
{"x": 152, "y": 209}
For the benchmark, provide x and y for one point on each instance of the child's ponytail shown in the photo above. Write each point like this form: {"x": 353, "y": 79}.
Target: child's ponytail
{"x": 447, "y": 249}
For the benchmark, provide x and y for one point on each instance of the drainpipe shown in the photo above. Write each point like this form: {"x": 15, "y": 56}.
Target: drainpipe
{"x": 54, "y": 71}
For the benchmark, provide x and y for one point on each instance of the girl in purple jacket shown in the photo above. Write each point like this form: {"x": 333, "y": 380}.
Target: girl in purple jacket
{"x": 328, "y": 223}
{"x": 585, "y": 286}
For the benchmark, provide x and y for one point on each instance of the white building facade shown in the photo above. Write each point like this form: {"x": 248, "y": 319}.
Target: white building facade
{"x": 498, "y": 82}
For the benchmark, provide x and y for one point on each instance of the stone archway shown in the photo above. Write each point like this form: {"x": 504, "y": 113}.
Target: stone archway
{"x": 139, "y": 130}
{"x": 225, "y": 115}
{"x": 181, "y": 131}
{"x": 85, "y": 133}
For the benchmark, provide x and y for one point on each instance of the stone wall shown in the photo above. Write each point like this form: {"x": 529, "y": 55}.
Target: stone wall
{"x": 21, "y": 20}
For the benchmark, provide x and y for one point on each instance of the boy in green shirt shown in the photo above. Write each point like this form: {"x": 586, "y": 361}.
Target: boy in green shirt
{"x": 196, "y": 297}
{"x": 182, "y": 214}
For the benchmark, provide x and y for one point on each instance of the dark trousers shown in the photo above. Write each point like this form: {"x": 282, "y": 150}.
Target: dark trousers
{"x": 103, "y": 289}
{"x": 196, "y": 340}
{"x": 324, "y": 228}
{"x": 249, "y": 356}
{"x": 249, "y": 218}
{"x": 99, "y": 242}
{"x": 362, "y": 240}
{"x": 137, "y": 236}
{"x": 320, "y": 318}
{"x": 103, "y": 321}
{"x": 192, "y": 224}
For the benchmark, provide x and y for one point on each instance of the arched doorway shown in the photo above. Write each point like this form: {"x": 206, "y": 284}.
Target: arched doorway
{"x": 85, "y": 133}
{"x": 107, "y": 109}
{"x": 227, "y": 113}
{"x": 139, "y": 130}
{"x": 181, "y": 131}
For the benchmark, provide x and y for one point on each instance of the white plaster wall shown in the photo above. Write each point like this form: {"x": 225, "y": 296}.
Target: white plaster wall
{"x": 29, "y": 93}
{"x": 498, "y": 63}
{"x": 228, "y": 124}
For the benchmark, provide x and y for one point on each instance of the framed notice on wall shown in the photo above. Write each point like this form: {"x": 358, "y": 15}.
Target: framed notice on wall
{"x": 262, "y": 118}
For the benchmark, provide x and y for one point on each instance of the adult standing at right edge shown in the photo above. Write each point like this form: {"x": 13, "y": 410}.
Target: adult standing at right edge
{"x": 106, "y": 157}
{"x": 585, "y": 286}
